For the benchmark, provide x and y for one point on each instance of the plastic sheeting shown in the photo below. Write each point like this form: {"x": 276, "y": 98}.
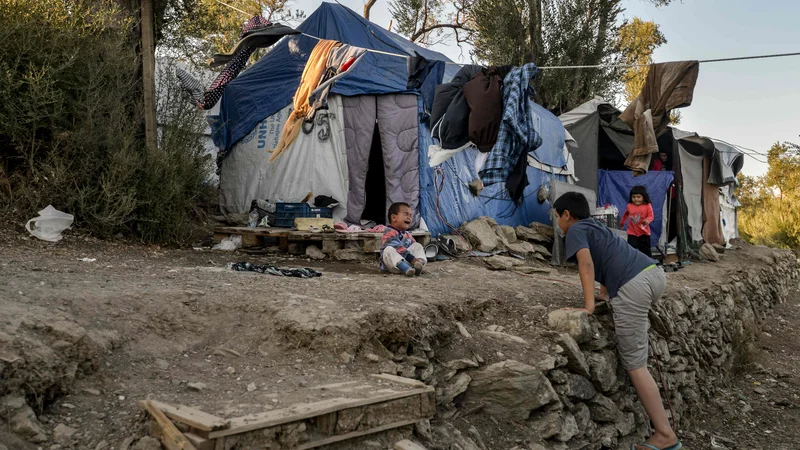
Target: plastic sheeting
{"x": 551, "y": 152}
{"x": 268, "y": 86}
{"x": 692, "y": 176}
{"x": 614, "y": 188}
{"x": 315, "y": 162}
{"x": 457, "y": 204}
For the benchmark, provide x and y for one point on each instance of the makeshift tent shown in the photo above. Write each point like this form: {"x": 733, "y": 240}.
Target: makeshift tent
{"x": 369, "y": 148}
{"x": 700, "y": 205}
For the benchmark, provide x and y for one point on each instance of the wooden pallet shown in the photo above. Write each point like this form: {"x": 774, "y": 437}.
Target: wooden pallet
{"x": 329, "y": 242}
{"x": 352, "y": 410}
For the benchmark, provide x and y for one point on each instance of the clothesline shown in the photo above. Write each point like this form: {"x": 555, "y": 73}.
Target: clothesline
{"x": 596, "y": 66}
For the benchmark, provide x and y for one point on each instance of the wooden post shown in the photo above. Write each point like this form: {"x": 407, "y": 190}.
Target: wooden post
{"x": 149, "y": 73}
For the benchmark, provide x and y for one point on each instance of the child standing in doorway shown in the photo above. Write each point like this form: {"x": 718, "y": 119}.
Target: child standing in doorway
{"x": 638, "y": 216}
{"x": 400, "y": 253}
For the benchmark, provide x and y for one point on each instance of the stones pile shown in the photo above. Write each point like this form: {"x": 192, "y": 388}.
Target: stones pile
{"x": 578, "y": 396}
{"x": 485, "y": 235}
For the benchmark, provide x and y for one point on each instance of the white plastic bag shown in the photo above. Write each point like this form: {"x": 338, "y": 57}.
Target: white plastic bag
{"x": 230, "y": 243}
{"x": 49, "y": 225}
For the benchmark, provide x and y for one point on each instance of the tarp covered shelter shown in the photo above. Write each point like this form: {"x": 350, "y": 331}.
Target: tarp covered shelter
{"x": 369, "y": 148}
{"x": 702, "y": 207}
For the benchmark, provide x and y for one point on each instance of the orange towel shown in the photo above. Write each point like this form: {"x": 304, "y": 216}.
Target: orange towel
{"x": 312, "y": 74}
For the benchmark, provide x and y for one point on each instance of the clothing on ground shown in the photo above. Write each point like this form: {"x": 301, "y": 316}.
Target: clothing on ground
{"x": 312, "y": 74}
{"x": 400, "y": 241}
{"x": 641, "y": 243}
{"x": 273, "y": 270}
{"x": 634, "y": 218}
{"x": 615, "y": 262}
{"x": 392, "y": 259}
{"x": 630, "y": 308}
{"x": 517, "y": 135}
{"x": 667, "y": 86}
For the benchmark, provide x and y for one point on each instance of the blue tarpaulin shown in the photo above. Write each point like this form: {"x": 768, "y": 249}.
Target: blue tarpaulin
{"x": 551, "y": 130}
{"x": 614, "y": 188}
{"x": 457, "y": 204}
{"x": 269, "y": 85}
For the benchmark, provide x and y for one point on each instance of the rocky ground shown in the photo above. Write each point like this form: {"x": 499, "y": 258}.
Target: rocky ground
{"x": 90, "y": 327}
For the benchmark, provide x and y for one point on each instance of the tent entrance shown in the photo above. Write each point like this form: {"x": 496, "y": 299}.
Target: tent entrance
{"x": 375, "y": 186}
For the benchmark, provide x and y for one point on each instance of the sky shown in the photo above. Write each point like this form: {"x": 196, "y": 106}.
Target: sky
{"x": 748, "y": 103}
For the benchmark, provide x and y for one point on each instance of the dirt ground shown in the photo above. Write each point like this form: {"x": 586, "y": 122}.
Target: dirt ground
{"x": 180, "y": 317}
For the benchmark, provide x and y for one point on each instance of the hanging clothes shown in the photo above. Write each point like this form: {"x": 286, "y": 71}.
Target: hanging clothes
{"x": 450, "y": 112}
{"x": 315, "y": 68}
{"x": 667, "y": 86}
{"x": 340, "y": 61}
{"x": 257, "y": 32}
{"x": 484, "y": 94}
{"x": 516, "y": 136}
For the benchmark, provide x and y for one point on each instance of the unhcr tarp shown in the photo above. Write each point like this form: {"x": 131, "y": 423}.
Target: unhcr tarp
{"x": 269, "y": 85}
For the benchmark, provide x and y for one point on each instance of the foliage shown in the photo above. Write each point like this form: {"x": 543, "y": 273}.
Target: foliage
{"x": 70, "y": 126}
{"x": 638, "y": 39}
{"x": 770, "y": 212}
{"x": 199, "y": 28}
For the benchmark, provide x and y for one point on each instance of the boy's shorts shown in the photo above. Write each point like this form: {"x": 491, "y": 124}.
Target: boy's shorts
{"x": 630, "y": 308}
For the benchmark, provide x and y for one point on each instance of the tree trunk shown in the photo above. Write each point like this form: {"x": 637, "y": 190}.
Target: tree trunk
{"x": 368, "y": 6}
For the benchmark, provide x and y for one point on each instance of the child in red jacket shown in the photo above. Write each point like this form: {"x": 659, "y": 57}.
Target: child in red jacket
{"x": 638, "y": 216}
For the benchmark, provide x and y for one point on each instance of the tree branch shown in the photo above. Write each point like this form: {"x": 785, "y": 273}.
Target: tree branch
{"x": 423, "y": 31}
{"x": 368, "y": 6}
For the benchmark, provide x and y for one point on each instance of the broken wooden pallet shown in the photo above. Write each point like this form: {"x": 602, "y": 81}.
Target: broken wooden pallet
{"x": 354, "y": 409}
{"x": 329, "y": 241}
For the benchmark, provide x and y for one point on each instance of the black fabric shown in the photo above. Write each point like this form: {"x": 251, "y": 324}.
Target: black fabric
{"x": 325, "y": 201}
{"x": 259, "y": 38}
{"x": 518, "y": 178}
{"x": 484, "y": 95}
{"x": 424, "y": 76}
{"x": 449, "y": 103}
{"x": 272, "y": 270}
{"x": 641, "y": 243}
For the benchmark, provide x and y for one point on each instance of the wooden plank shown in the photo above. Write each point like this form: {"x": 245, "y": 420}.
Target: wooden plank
{"x": 198, "y": 442}
{"x": 355, "y": 434}
{"x": 305, "y": 223}
{"x": 400, "y": 380}
{"x": 326, "y": 423}
{"x": 192, "y": 417}
{"x": 171, "y": 437}
{"x": 372, "y": 246}
{"x": 220, "y": 444}
{"x": 304, "y": 411}
{"x": 407, "y": 444}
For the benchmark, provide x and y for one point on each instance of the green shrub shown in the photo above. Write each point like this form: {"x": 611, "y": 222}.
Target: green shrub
{"x": 71, "y": 131}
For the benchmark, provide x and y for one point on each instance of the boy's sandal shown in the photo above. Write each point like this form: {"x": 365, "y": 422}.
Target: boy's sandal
{"x": 677, "y": 446}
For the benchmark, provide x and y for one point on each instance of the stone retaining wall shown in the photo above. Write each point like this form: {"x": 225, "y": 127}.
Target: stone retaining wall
{"x": 578, "y": 396}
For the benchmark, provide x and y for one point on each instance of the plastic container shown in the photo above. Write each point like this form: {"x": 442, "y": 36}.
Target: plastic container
{"x": 49, "y": 225}
{"x": 285, "y": 213}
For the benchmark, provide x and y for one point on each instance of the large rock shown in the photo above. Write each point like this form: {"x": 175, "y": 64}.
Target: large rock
{"x": 708, "y": 252}
{"x": 573, "y": 322}
{"x": 507, "y": 233}
{"x": 448, "y": 434}
{"x": 147, "y": 443}
{"x": 603, "y": 409}
{"x": 521, "y": 248}
{"x": 62, "y": 434}
{"x": 575, "y": 359}
{"x": 454, "y": 389}
{"x": 481, "y": 234}
{"x": 544, "y": 230}
{"x": 313, "y": 252}
{"x": 540, "y": 249}
{"x": 582, "y": 416}
{"x": 557, "y": 424}
{"x": 577, "y": 388}
{"x": 503, "y": 262}
{"x": 529, "y": 234}
{"x": 603, "y": 367}
{"x": 511, "y": 389}
{"x": 26, "y": 426}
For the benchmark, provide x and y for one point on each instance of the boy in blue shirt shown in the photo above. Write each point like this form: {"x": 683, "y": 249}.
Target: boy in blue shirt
{"x": 631, "y": 282}
{"x": 400, "y": 253}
